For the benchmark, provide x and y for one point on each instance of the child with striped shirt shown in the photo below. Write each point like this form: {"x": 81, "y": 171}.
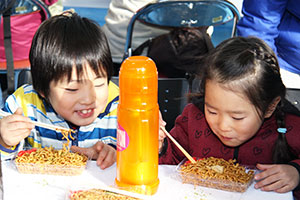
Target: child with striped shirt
{"x": 71, "y": 67}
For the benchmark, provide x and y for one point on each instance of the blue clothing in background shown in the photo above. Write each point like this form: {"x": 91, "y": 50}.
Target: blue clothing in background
{"x": 277, "y": 22}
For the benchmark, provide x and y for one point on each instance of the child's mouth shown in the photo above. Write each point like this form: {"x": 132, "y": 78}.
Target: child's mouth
{"x": 226, "y": 138}
{"x": 85, "y": 113}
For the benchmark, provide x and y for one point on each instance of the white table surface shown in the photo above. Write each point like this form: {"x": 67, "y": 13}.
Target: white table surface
{"x": 36, "y": 187}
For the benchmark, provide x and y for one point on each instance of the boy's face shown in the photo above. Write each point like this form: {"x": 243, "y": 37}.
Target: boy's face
{"x": 81, "y": 99}
{"x": 230, "y": 115}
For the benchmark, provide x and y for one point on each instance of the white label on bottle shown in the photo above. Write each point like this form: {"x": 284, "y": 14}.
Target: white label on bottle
{"x": 122, "y": 138}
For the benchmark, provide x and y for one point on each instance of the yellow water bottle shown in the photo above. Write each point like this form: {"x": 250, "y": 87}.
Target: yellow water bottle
{"x": 138, "y": 126}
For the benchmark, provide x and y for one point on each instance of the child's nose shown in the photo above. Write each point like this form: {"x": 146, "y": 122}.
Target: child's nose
{"x": 88, "y": 95}
{"x": 223, "y": 123}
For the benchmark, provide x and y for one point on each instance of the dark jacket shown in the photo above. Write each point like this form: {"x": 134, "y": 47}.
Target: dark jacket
{"x": 193, "y": 133}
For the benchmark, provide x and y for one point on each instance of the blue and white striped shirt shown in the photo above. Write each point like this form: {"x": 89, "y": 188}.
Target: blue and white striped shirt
{"x": 103, "y": 128}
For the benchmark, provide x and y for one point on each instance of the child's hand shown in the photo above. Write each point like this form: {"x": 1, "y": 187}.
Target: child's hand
{"x": 276, "y": 177}
{"x": 104, "y": 154}
{"x": 162, "y": 135}
{"x": 14, "y": 128}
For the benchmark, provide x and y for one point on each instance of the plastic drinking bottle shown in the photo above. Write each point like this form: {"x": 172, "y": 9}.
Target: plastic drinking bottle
{"x": 138, "y": 126}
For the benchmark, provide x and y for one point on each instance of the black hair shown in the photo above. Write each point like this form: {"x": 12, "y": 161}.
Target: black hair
{"x": 249, "y": 65}
{"x": 65, "y": 41}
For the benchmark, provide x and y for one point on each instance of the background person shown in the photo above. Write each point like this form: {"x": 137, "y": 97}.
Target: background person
{"x": 277, "y": 22}
{"x": 115, "y": 28}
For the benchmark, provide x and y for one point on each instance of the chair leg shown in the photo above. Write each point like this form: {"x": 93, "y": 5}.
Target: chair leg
{"x": 293, "y": 96}
{"x": 24, "y": 77}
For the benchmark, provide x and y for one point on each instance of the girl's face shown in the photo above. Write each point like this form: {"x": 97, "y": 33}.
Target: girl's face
{"x": 81, "y": 99}
{"x": 230, "y": 115}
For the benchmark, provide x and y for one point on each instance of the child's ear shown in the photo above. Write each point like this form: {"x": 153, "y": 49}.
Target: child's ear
{"x": 272, "y": 107}
{"x": 42, "y": 94}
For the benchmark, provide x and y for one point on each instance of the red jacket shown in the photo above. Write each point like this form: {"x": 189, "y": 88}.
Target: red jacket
{"x": 193, "y": 133}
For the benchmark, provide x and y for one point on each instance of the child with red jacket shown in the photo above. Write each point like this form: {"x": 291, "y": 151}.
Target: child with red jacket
{"x": 240, "y": 113}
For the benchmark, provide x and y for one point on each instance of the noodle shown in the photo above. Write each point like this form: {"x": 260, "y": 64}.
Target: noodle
{"x": 50, "y": 161}
{"x": 48, "y": 155}
{"x": 66, "y": 135}
{"x": 99, "y": 195}
{"x": 217, "y": 173}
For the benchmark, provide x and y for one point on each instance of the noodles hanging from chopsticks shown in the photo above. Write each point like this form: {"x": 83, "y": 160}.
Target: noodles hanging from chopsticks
{"x": 66, "y": 135}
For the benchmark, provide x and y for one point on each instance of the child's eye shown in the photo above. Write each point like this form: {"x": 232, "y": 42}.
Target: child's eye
{"x": 71, "y": 89}
{"x": 99, "y": 85}
{"x": 211, "y": 112}
{"x": 237, "y": 118}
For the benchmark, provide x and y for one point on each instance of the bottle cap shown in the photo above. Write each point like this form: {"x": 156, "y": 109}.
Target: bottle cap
{"x": 138, "y": 83}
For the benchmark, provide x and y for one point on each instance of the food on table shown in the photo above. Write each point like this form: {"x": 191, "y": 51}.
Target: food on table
{"x": 98, "y": 194}
{"x": 216, "y": 173}
{"x": 50, "y": 161}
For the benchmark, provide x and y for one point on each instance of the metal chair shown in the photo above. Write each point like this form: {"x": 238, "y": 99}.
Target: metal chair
{"x": 15, "y": 37}
{"x": 293, "y": 96}
{"x": 24, "y": 77}
{"x": 220, "y": 14}
{"x": 171, "y": 98}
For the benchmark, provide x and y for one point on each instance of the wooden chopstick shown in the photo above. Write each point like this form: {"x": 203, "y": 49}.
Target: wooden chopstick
{"x": 178, "y": 145}
{"x": 40, "y": 124}
{"x": 52, "y": 127}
